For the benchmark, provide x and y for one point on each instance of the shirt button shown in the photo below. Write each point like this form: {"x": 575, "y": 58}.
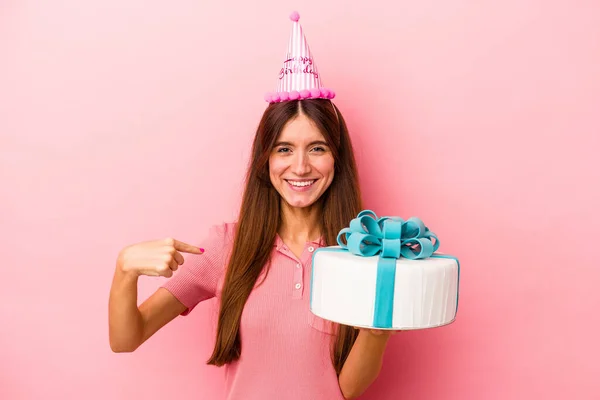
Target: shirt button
{"x": 298, "y": 265}
{"x": 298, "y": 286}
{"x": 311, "y": 249}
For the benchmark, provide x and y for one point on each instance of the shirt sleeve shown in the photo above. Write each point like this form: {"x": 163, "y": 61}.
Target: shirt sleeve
{"x": 198, "y": 277}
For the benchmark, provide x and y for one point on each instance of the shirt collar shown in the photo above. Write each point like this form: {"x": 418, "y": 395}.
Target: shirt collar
{"x": 317, "y": 242}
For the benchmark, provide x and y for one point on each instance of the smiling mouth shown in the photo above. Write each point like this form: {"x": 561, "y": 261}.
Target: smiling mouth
{"x": 301, "y": 184}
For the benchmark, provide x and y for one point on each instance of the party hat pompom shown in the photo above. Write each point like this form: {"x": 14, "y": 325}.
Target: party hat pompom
{"x": 295, "y": 16}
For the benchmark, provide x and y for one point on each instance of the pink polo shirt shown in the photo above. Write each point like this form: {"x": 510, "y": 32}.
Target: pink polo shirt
{"x": 285, "y": 348}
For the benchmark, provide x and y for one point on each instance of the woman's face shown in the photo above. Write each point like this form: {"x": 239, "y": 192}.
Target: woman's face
{"x": 301, "y": 164}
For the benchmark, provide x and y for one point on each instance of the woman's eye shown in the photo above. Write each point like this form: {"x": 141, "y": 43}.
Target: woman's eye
{"x": 318, "y": 148}
{"x": 283, "y": 150}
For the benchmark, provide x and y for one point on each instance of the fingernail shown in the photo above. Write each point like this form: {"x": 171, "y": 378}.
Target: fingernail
{"x": 202, "y": 250}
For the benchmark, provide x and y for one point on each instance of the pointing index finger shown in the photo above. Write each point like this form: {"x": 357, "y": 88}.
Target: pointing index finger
{"x": 187, "y": 248}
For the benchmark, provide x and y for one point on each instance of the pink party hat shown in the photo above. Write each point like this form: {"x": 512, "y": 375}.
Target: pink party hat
{"x": 298, "y": 77}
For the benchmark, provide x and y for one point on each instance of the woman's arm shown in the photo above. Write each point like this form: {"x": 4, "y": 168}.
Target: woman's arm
{"x": 130, "y": 326}
{"x": 364, "y": 362}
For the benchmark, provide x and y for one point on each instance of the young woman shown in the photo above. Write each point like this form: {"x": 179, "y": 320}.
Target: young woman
{"x": 301, "y": 190}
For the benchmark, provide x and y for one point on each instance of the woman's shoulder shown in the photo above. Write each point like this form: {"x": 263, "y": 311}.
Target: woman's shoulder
{"x": 218, "y": 244}
{"x": 222, "y": 233}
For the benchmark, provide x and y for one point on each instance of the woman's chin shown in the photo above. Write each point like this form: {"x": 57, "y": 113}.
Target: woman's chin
{"x": 299, "y": 203}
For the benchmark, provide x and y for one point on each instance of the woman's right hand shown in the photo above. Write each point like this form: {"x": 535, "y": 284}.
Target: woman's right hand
{"x": 154, "y": 258}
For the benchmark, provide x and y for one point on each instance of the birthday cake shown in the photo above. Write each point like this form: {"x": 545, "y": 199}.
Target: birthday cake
{"x": 385, "y": 273}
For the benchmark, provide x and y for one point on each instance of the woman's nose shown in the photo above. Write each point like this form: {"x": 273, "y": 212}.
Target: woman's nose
{"x": 301, "y": 164}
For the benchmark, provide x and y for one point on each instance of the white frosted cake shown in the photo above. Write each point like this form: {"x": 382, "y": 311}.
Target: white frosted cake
{"x": 361, "y": 285}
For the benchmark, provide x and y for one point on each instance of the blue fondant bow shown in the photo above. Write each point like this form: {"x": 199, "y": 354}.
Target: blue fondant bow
{"x": 391, "y": 238}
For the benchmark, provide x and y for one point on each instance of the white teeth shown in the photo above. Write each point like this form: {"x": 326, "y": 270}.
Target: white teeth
{"x": 301, "y": 184}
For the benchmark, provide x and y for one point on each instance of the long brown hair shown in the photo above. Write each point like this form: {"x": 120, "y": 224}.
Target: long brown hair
{"x": 259, "y": 219}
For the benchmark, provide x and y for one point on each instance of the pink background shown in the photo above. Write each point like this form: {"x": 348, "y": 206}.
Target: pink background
{"x": 129, "y": 121}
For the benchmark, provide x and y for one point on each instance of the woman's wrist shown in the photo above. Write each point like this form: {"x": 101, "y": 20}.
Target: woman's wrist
{"x": 123, "y": 274}
{"x": 375, "y": 337}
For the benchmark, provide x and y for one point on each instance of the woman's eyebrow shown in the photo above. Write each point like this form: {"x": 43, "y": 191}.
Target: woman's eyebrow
{"x": 310, "y": 144}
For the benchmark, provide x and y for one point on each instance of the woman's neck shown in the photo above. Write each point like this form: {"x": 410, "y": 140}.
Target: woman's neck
{"x": 300, "y": 225}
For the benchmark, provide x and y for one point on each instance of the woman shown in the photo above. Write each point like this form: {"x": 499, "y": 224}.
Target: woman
{"x": 301, "y": 189}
